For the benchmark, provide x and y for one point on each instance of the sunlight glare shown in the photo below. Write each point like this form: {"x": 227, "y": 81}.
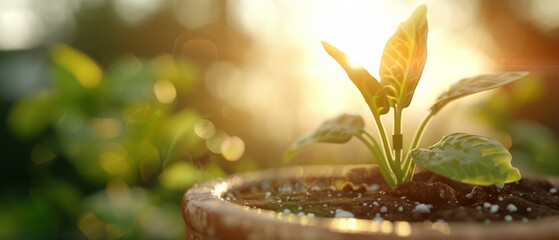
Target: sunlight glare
{"x": 359, "y": 29}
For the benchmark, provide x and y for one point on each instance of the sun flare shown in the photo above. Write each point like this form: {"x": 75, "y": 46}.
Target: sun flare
{"x": 361, "y": 30}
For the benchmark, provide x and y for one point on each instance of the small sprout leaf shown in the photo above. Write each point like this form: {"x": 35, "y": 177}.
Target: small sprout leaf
{"x": 369, "y": 87}
{"x": 338, "y": 130}
{"x": 470, "y": 159}
{"x": 468, "y": 86}
{"x": 403, "y": 59}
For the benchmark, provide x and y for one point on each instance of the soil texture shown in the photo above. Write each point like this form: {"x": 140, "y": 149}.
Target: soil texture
{"x": 427, "y": 198}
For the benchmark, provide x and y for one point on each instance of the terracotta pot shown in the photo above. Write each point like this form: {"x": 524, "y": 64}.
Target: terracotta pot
{"x": 209, "y": 216}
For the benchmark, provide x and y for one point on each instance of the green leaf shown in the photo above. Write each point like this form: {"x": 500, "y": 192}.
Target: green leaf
{"x": 468, "y": 86}
{"x": 338, "y": 130}
{"x": 403, "y": 59}
{"x": 468, "y": 159}
{"x": 536, "y": 146}
{"x": 30, "y": 116}
{"x": 369, "y": 87}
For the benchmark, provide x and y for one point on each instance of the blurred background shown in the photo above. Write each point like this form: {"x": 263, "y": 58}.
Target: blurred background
{"x": 112, "y": 109}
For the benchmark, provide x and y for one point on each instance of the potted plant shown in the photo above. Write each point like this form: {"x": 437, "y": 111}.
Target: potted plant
{"x": 467, "y": 189}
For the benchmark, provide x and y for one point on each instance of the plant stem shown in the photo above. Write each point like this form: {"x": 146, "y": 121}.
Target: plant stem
{"x": 373, "y": 140}
{"x": 379, "y": 153}
{"x": 397, "y": 144}
{"x": 375, "y": 149}
{"x": 409, "y": 166}
{"x": 385, "y": 143}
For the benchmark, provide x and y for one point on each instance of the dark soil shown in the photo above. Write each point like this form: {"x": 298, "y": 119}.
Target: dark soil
{"x": 427, "y": 197}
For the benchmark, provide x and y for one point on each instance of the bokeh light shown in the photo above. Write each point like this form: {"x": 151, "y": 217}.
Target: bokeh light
{"x": 165, "y": 91}
{"x": 233, "y": 148}
{"x": 204, "y": 129}
{"x": 214, "y": 143}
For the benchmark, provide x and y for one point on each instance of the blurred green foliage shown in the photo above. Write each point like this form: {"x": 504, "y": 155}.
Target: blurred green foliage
{"x": 519, "y": 111}
{"x": 133, "y": 146}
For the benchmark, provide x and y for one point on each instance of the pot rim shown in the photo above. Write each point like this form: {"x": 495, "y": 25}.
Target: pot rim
{"x": 207, "y": 214}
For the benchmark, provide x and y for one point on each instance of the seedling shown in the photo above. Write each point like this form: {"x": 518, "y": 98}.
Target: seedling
{"x": 463, "y": 157}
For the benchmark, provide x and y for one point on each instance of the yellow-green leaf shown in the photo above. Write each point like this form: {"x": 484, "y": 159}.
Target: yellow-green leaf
{"x": 403, "y": 59}
{"x": 470, "y": 159}
{"x": 468, "y": 86}
{"x": 369, "y": 87}
{"x": 338, "y": 130}
{"x": 81, "y": 66}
